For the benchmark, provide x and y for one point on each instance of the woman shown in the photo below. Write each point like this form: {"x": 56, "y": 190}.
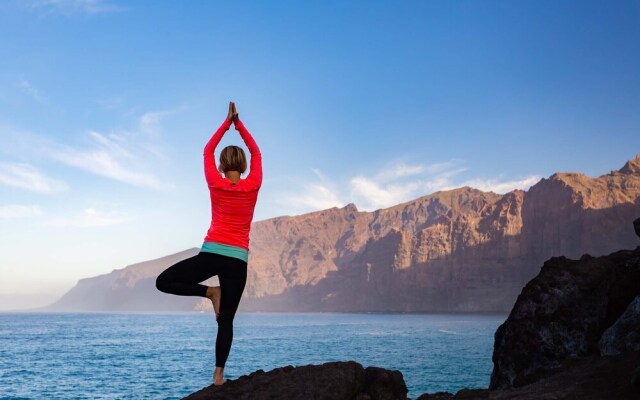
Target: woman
{"x": 226, "y": 247}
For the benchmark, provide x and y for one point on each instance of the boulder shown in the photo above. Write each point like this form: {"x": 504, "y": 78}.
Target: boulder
{"x": 340, "y": 380}
{"x": 624, "y": 335}
{"x": 562, "y": 313}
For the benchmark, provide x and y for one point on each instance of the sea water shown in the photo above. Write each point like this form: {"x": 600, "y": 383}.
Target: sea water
{"x": 170, "y": 355}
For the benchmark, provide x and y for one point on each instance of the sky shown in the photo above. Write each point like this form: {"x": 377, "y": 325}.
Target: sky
{"x": 105, "y": 108}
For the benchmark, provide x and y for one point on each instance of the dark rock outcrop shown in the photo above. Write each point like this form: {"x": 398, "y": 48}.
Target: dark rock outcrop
{"x": 636, "y": 226}
{"x": 347, "y": 380}
{"x": 590, "y": 378}
{"x": 561, "y": 314}
{"x": 624, "y": 335}
{"x": 573, "y": 333}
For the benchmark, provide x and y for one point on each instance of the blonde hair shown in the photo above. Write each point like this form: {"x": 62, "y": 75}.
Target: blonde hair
{"x": 232, "y": 158}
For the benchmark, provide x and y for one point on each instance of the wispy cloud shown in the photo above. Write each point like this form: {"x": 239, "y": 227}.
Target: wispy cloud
{"x": 368, "y": 194}
{"x": 396, "y": 183}
{"x": 19, "y": 211}
{"x": 401, "y": 182}
{"x": 149, "y": 129}
{"x": 498, "y": 186}
{"x": 28, "y": 177}
{"x": 75, "y": 7}
{"x": 149, "y": 122}
{"x": 317, "y": 195}
{"x": 127, "y": 156}
{"x": 108, "y": 158}
{"x": 402, "y": 170}
{"x": 90, "y": 218}
{"x": 34, "y": 93}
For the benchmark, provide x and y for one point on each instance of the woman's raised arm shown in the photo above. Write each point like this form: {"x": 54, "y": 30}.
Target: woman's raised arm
{"x": 255, "y": 175}
{"x": 210, "y": 170}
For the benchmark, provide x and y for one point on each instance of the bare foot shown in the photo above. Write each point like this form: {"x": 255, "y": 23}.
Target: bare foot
{"x": 214, "y": 294}
{"x": 217, "y": 377}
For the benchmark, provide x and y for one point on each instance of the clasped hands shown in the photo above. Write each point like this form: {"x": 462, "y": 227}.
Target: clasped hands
{"x": 233, "y": 114}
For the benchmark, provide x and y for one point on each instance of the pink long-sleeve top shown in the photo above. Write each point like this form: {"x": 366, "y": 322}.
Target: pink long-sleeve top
{"x": 232, "y": 204}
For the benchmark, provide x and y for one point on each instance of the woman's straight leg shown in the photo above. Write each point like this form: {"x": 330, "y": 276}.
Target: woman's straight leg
{"x": 232, "y": 282}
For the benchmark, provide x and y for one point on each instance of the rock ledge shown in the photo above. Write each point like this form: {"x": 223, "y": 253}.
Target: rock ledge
{"x": 343, "y": 380}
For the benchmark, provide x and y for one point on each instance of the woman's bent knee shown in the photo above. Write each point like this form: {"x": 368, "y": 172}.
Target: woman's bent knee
{"x": 161, "y": 283}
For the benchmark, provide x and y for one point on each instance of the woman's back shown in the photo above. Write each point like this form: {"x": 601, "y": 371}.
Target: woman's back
{"x": 232, "y": 204}
{"x": 232, "y": 207}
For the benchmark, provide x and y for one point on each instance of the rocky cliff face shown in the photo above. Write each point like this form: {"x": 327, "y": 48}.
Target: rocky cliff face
{"x": 460, "y": 250}
{"x": 128, "y": 289}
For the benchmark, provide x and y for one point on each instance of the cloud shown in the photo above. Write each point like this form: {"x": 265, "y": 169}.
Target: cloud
{"x": 400, "y": 170}
{"x": 395, "y": 184}
{"x": 501, "y": 187}
{"x": 22, "y": 144}
{"x": 107, "y": 158}
{"x": 113, "y": 143}
{"x": 19, "y": 211}
{"x": 28, "y": 177}
{"x": 32, "y": 91}
{"x": 392, "y": 186}
{"x": 149, "y": 122}
{"x": 368, "y": 194}
{"x": 75, "y": 7}
{"x": 125, "y": 156}
{"x": 149, "y": 129}
{"x": 89, "y": 218}
{"x": 318, "y": 195}
{"x": 122, "y": 156}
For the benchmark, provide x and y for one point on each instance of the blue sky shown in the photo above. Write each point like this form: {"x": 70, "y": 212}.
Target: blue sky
{"x": 105, "y": 107}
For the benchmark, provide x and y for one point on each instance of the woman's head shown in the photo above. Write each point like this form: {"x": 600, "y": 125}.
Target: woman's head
{"x": 232, "y": 158}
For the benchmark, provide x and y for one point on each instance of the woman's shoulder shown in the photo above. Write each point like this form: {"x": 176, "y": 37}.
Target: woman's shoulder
{"x": 242, "y": 185}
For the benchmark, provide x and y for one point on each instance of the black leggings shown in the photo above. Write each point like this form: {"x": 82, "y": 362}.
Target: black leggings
{"x": 184, "y": 277}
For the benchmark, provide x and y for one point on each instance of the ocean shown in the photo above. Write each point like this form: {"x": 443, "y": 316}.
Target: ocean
{"x": 170, "y": 355}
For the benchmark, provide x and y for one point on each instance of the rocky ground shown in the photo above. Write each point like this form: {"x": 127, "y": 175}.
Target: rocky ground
{"x": 333, "y": 380}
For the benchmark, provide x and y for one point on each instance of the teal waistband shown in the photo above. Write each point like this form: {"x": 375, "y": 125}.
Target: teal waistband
{"x": 226, "y": 250}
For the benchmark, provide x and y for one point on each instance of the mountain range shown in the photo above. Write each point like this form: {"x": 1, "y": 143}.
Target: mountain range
{"x": 461, "y": 250}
